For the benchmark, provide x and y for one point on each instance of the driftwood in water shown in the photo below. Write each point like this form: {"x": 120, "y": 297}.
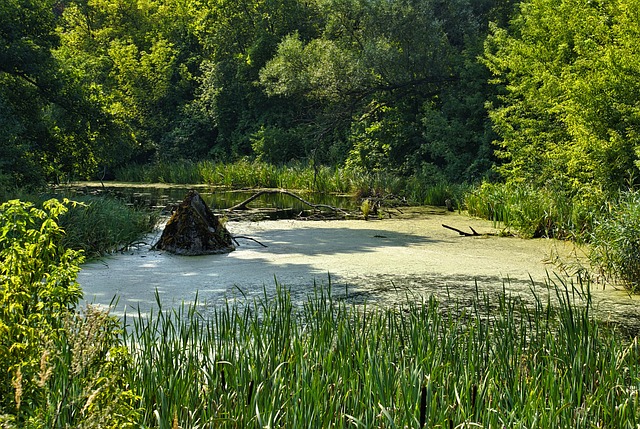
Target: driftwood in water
{"x": 465, "y": 234}
{"x": 194, "y": 230}
{"x": 243, "y": 204}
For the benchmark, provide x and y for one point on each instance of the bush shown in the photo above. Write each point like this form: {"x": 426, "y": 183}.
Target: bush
{"x": 57, "y": 368}
{"x": 615, "y": 242}
{"x": 38, "y": 290}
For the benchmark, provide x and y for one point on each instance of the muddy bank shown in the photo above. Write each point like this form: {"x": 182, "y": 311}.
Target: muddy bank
{"x": 381, "y": 261}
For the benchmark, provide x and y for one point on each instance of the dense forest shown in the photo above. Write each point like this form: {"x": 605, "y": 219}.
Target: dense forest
{"x": 541, "y": 91}
{"x": 90, "y": 85}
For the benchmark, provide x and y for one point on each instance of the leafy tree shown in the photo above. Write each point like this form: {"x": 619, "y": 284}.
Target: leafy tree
{"x": 137, "y": 59}
{"x": 568, "y": 116}
{"x": 48, "y": 121}
{"x": 392, "y": 80}
{"x": 239, "y": 37}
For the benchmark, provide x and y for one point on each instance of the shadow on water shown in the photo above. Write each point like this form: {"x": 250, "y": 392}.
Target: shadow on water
{"x": 293, "y": 256}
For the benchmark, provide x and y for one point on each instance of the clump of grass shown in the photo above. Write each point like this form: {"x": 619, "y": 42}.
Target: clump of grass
{"x": 436, "y": 194}
{"x": 615, "y": 241}
{"x": 365, "y": 208}
{"x": 534, "y": 212}
{"x": 98, "y": 224}
{"x": 101, "y": 225}
{"x": 329, "y": 363}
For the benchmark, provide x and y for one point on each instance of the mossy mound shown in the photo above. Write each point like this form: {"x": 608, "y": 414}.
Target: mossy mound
{"x": 194, "y": 230}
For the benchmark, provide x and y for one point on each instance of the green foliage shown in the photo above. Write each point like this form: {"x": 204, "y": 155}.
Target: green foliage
{"x": 615, "y": 242}
{"x": 536, "y": 212}
{"x": 568, "y": 116}
{"x": 48, "y": 124}
{"x": 277, "y": 145}
{"x": 331, "y": 363}
{"x": 58, "y": 368}
{"x": 38, "y": 290}
{"x": 397, "y": 83}
{"x": 99, "y": 225}
{"x": 89, "y": 86}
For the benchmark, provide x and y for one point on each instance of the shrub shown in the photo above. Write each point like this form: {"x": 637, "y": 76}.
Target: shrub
{"x": 58, "y": 368}
{"x": 38, "y": 291}
{"x": 615, "y": 241}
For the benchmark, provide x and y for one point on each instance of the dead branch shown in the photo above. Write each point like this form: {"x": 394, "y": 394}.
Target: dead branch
{"x": 243, "y": 204}
{"x": 465, "y": 234}
{"x": 247, "y": 238}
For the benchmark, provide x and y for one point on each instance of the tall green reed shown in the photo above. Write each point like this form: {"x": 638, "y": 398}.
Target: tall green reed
{"x": 296, "y": 176}
{"x": 615, "y": 244}
{"x": 535, "y": 212}
{"x": 499, "y": 363}
{"x": 101, "y": 224}
{"x": 98, "y": 224}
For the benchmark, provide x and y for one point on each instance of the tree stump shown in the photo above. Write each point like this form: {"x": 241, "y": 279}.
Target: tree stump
{"x": 193, "y": 229}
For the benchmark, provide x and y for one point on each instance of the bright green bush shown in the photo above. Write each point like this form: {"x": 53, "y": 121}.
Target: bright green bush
{"x": 57, "y": 368}
{"x": 38, "y": 291}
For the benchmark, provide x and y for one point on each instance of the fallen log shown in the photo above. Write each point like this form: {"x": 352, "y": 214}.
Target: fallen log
{"x": 243, "y": 204}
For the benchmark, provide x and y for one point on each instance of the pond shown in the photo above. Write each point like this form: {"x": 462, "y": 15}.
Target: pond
{"x": 409, "y": 256}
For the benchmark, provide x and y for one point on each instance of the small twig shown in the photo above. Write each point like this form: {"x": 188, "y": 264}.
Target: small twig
{"x": 247, "y": 238}
{"x": 133, "y": 243}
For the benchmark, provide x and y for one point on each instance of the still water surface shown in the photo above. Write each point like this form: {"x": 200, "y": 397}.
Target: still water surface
{"x": 380, "y": 262}
{"x": 162, "y": 195}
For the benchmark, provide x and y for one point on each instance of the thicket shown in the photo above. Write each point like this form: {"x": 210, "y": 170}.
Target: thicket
{"x": 568, "y": 123}
{"x": 57, "y": 368}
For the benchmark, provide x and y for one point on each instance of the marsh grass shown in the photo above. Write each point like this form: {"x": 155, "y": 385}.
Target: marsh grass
{"x": 533, "y": 212}
{"x": 296, "y": 176}
{"x": 98, "y": 224}
{"x": 329, "y": 363}
{"x": 101, "y": 225}
{"x": 615, "y": 241}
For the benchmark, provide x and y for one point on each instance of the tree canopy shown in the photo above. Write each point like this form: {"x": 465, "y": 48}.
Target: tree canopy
{"x": 415, "y": 87}
{"x": 569, "y": 114}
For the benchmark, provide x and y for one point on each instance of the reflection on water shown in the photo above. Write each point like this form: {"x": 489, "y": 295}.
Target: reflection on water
{"x": 159, "y": 197}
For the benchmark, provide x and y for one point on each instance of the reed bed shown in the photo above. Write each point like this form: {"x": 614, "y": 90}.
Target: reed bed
{"x": 536, "y": 212}
{"x": 100, "y": 225}
{"x": 296, "y": 176}
{"x": 330, "y": 363}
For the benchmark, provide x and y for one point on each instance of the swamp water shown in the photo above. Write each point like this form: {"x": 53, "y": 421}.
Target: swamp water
{"x": 379, "y": 262}
{"x": 163, "y": 196}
